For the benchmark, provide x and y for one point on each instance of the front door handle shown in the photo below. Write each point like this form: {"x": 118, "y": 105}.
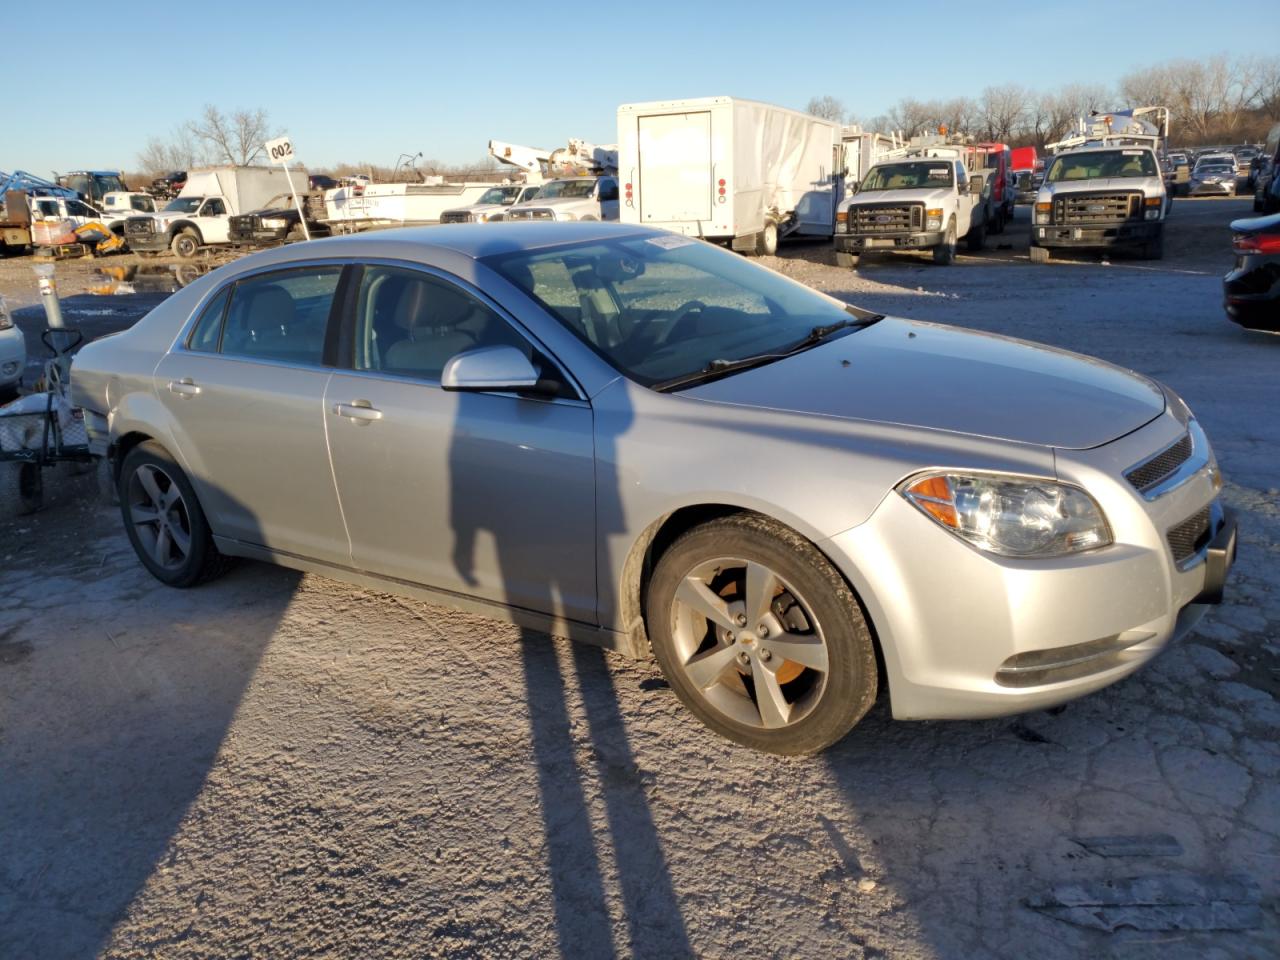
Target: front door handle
{"x": 185, "y": 387}
{"x": 358, "y": 411}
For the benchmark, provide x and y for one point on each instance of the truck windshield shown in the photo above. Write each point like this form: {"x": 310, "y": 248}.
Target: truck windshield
{"x": 567, "y": 188}
{"x": 1102, "y": 164}
{"x": 183, "y": 205}
{"x": 913, "y": 175}
{"x": 500, "y": 195}
{"x": 666, "y": 307}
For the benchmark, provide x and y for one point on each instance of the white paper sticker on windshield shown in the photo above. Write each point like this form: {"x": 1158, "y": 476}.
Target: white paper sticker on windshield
{"x": 939, "y": 171}
{"x": 1133, "y": 153}
{"x": 669, "y": 243}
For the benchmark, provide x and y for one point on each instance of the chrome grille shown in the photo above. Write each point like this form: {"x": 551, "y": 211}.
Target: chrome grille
{"x": 1189, "y": 536}
{"x": 137, "y": 226}
{"x": 1097, "y": 207}
{"x": 1146, "y": 475}
{"x": 530, "y": 215}
{"x": 455, "y": 216}
{"x": 886, "y": 218}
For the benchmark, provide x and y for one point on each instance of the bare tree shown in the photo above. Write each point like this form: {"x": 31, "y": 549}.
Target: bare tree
{"x": 1002, "y": 109}
{"x": 178, "y": 153}
{"x": 828, "y": 108}
{"x": 237, "y": 138}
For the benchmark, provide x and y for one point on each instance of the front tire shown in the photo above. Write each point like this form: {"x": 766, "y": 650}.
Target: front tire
{"x": 849, "y": 260}
{"x": 185, "y": 244}
{"x": 164, "y": 521}
{"x": 946, "y": 252}
{"x": 760, "y": 637}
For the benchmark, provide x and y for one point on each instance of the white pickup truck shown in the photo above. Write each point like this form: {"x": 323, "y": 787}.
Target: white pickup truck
{"x": 493, "y": 205}
{"x": 1100, "y": 196}
{"x": 917, "y": 202}
{"x": 571, "y": 198}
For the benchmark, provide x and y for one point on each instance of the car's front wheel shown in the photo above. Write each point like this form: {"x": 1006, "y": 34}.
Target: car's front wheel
{"x": 760, "y": 637}
{"x": 164, "y": 521}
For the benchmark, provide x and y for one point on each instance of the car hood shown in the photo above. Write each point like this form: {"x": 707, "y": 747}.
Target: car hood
{"x": 1136, "y": 184}
{"x": 943, "y": 378}
{"x": 917, "y": 195}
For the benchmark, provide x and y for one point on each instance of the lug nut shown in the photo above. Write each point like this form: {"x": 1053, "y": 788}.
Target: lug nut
{"x": 742, "y": 620}
{"x": 730, "y": 637}
{"x": 765, "y": 655}
{"x": 743, "y": 658}
{"x": 762, "y": 631}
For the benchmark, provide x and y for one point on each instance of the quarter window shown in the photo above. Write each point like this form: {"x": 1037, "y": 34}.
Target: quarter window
{"x": 411, "y": 324}
{"x": 208, "y": 329}
{"x": 281, "y": 316}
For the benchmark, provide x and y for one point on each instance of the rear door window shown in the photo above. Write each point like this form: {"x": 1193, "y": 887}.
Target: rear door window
{"x": 281, "y": 316}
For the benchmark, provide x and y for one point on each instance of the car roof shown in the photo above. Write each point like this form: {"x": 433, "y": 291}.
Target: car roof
{"x": 474, "y": 240}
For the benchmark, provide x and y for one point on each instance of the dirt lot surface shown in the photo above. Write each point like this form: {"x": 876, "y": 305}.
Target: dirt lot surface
{"x": 279, "y": 765}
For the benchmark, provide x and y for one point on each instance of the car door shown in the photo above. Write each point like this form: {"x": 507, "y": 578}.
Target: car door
{"x": 607, "y": 189}
{"x": 246, "y": 394}
{"x": 485, "y": 494}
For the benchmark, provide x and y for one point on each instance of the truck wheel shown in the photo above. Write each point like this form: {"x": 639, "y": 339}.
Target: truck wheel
{"x": 945, "y": 253}
{"x": 185, "y": 244}
{"x": 977, "y": 237}
{"x": 849, "y": 260}
{"x": 767, "y": 240}
{"x": 1039, "y": 254}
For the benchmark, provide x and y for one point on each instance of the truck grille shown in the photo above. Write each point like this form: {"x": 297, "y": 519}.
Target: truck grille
{"x": 455, "y": 216}
{"x": 244, "y": 223}
{"x": 1147, "y": 475}
{"x": 1097, "y": 207}
{"x": 139, "y": 227}
{"x": 886, "y": 218}
{"x": 530, "y": 215}
{"x": 1189, "y": 536}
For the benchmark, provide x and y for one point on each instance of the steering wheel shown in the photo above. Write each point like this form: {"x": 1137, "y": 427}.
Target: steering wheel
{"x": 652, "y": 336}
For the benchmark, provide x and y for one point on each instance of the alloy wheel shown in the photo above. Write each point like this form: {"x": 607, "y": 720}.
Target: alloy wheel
{"x": 160, "y": 516}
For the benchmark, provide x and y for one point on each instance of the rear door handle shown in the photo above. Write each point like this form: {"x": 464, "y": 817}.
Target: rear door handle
{"x": 185, "y": 387}
{"x": 358, "y": 411}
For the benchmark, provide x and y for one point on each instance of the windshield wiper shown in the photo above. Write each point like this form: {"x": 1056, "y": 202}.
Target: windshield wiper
{"x": 720, "y": 368}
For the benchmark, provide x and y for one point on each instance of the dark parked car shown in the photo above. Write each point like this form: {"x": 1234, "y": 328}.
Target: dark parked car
{"x": 167, "y": 187}
{"x": 318, "y": 181}
{"x": 1251, "y": 290}
{"x": 277, "y": 222}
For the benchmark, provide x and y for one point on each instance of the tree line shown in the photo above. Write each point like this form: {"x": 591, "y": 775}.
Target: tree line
{"x": 1218, "y": 100}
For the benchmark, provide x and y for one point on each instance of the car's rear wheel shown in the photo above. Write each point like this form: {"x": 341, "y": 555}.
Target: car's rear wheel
{"x": 760, "y": 637}
{"x": 163, "y": 519}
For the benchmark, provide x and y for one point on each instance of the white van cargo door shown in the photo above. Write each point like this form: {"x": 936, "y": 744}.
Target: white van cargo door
{"x": 675, "y": 167}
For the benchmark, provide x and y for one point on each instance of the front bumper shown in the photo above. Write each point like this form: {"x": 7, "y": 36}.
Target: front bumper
{"x": 257, "y": 236}
{"x": 1251, "y": 293}
{"x": 147, "y": 242}
{"x": 918, "y": 240}
{"x": 1085, "y": 235}
{"x": 967, "y": 635}
{"x": 1212, "y": 189}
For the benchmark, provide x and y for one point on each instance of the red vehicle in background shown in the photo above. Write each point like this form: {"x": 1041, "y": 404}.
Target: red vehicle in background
{"x": 1027, "y": 168}
{"x": 997, "y": 167}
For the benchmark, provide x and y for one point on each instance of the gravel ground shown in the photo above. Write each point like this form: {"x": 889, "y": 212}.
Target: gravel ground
{"x": 280, "y": 765}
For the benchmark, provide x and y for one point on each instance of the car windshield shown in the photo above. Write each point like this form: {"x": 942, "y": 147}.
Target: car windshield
{"x": 183, "y": 205}
{"x": 499, "y": 195}
{"x": 660, "y": 308}
{"x": 567, "y": 188}
{"x": 1100, "y": 164}
{"x": 909, "y": 176}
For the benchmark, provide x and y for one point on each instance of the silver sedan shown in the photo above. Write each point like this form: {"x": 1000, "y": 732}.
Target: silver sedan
{"x": 643, "y": 441}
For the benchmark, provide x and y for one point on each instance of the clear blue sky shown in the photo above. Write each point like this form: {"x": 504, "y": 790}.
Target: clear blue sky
{"x": 370, "y": 80}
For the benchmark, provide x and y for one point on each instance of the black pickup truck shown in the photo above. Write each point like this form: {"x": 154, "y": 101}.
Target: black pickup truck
{"x": 277, "y": 222}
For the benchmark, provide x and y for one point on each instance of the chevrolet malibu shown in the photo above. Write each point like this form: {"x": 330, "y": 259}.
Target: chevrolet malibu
{"x": 643, "y": 441}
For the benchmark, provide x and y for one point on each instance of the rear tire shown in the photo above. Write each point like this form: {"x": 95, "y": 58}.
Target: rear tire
{"x": 946, "y": 252}
{"x": 164, "y": 521}
{"x": 1039, "y": 254}
{"x": 734, "y": 683}
{"x": 767, "y": 240}
{"x": 976, "y": 239}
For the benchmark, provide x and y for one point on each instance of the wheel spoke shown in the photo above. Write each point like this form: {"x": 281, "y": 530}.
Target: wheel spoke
{"x": 761, "y": 586}
{"x": 143, "y": 514}
{"x": 773, "y": 706}
{"x": 181, "y": 539}
{"x": 696, "y": 595}
{"x": 807, "y": 651}
{"x": 704, "y": 669}
{"x": 147, "y": 477}
{"x": 160, "y": 551}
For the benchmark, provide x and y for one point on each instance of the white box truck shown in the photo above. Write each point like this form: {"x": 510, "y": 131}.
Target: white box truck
{"x": 729, "y": 170}
{"x": 201, "y": 213}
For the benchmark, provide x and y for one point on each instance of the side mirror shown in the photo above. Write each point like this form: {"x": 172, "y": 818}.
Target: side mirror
{"x": 853, "y": 185}
{"x": 500, "y": 369}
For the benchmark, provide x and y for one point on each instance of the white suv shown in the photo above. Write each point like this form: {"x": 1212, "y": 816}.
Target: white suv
{"x": 13, "y": 355}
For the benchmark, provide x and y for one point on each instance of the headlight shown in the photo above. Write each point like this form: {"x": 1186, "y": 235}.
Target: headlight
{"x": 480, "y": 218}
{"x": 1011, "y": 516}
{"x": 1043, "y": 210}
{"x": 933, "y": 219}
{"x": 275, "y": 223}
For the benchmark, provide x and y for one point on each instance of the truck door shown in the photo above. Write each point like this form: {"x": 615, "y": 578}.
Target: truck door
{"x": 215, "y": 227}
{"x": 675, "y": 167}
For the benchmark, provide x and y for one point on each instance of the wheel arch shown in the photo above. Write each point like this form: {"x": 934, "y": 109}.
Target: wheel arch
{"x": 655, "y": 539}
{"x": 183, "y": 226}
